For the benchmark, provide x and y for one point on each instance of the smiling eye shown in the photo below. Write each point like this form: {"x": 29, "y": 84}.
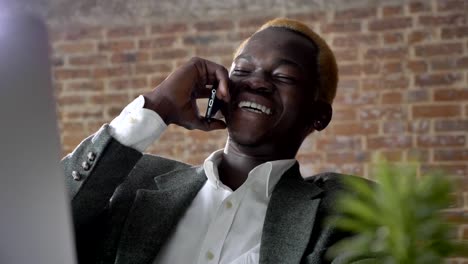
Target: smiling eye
{"x": 285, "y": 79}
{"x": 240, "y": 72}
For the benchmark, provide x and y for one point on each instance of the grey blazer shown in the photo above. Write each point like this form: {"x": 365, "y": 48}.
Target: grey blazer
{"x": 126, "y": 204}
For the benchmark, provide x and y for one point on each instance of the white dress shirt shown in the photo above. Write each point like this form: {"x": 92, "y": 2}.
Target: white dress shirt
{"x": 220, "y": 226}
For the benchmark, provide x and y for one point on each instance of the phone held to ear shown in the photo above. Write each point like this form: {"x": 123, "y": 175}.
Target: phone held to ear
{"x": 214, "y": 104}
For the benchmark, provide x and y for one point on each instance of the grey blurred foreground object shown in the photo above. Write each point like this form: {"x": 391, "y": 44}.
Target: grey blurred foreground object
{"x": 35, "y": 224}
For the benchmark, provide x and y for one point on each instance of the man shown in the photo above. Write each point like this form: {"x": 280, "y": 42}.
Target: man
{"x": 248, "y": 203}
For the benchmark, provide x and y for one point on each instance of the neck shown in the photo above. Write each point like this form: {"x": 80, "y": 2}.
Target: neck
{"x": 237, "y": 161}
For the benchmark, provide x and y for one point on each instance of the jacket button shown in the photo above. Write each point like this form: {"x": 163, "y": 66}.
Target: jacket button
{"x": 85, "y": 165}
{"x": 76, "y": 175}
{"x": 91, "y": 156}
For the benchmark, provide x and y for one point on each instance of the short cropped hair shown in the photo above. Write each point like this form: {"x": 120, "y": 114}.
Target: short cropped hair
{"x": 326, "y": 63}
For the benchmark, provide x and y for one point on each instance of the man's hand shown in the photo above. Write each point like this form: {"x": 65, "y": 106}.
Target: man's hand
{"x": 175, "y": 98}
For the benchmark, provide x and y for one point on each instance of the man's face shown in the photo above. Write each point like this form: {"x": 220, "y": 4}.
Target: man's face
{"x": 273, "y": 86}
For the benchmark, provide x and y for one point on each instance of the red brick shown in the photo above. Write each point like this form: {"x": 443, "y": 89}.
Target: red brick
{"x": 117, "y": 45}
{"x": 253, "y": 22}
{"x": 341, "y": 27}
{"x": 388, "y": 155}
{"x": 450, "y": 154}
{"x": 356, "y": 13}
{"x": 340, "y": 142}
{"x": 355, "y": 40}
{"x": 84, "y": 86}
{"x": 356, "y": 98}
{"x": 393, "y": 38}
{"x": 389, "y": 82}
{"x": 417, "y": 155}
{"x": 420, "y": 6}
{"x": 344, "y": 114}
{"x": 439, "y": 50}
{"x": 444, "y": 64}
{"x": 348, "y": 84}
{"x": 419, "y": 36}
{"x": 392, "y": 98}
{"x": 450, "y": 169}
{"x": 455, "y": 32}
{"x": 395, "y": 127}
{"x": 389, "y": 11}
{"x": 449, "y": 5}
{"x": 421, "y": 126}
{"x": 391, "y": 112}
{"x": 153, "y": 68}
{"x": 346, "y": 54}
{"x": 349, "y": 69}
{"x": 451, "y": 95}
{"x": 386, "y": 53}
{"x": 370, "y": 68}
{"x": 57, "y": 61}
{"x": 75, "y": 47}
{"x": 214, "y": 51}
{"x": 451, "y": 125}
{"x": 214, "y": 25}
{"x": 441, "y": 141}
{"x": 390, "y": 24}
{"x": 110, "y": 99}
{"x": 349, "y": 129}
{"x": 169, "y": 28}
{"x": 437, "y": 79}
{"x": 389, "y": 142}
{"x": 126, "y": 31}
{"x": 83, "y": 33}
{"x": 130, "y": 57}
{"x": 392, "y": 67}
{"x": 417, "y": 66}
{"x": 128, "y": 84}
{"x": 435, "y": 111}
{"x": 347, "y": 157}
{"x": 86, "y": 60}
{"x": 238, "y": 36}
{"x": 169, "y": 54}
{"x": 307, "y": 17}
{"x": 62, "y": 74}
{"x": 111, "y": 71}
{"x": 70, "y": 100}
{"x": 157, "y": 42}
{"x": 84, "y": 114}
{"x": 200, "y": 40}
{"x": 442, "y": 20}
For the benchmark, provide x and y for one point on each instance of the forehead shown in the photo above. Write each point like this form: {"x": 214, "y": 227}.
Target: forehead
{"x": 281, "y": 43}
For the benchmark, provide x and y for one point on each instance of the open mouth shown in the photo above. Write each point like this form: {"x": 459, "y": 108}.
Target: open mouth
{"x": 255, "y": 107}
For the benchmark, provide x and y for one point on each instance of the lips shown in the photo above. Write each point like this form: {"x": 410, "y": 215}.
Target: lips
{"x": 254, "y": 107}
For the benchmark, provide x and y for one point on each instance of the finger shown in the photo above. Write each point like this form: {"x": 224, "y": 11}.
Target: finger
{"x": 223, "y": 80}
{"x": 205, "y": 125}
{"x": 203, "y": 92}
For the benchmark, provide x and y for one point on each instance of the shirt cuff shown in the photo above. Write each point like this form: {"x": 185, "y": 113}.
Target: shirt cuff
{"x": 137, "y": 127}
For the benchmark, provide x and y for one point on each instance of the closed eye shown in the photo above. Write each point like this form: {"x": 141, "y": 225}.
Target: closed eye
{"x": 286, "y": 79}
{"x": 240, "y": 72}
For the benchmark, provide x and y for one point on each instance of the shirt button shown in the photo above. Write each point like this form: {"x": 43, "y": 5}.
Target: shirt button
{"x": 228, "y": 204}
{"x": 209, "y": 255}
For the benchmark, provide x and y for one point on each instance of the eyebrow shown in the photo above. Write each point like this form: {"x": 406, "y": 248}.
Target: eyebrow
{"x": 277, "y": 62}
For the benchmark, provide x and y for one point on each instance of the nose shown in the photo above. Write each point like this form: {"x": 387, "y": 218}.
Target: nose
{"x": 259, "y": 82}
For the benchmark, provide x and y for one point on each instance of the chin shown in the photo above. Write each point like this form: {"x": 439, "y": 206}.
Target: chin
{"x": 244, "y": 138}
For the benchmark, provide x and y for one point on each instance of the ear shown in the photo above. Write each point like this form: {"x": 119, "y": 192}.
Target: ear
{"x": 321, "y": 115}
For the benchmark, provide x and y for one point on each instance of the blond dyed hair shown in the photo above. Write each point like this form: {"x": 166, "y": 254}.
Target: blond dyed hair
{"x": 327, "y": 68}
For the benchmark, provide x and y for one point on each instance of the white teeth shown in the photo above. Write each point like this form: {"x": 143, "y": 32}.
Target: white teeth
{"x": 254, "y": 107}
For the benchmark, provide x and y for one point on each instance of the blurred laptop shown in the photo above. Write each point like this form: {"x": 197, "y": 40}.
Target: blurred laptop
{"x": 35, "y": 222}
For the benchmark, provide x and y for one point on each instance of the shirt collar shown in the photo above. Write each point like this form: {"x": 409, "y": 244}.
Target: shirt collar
{"x": 270, "y": 172}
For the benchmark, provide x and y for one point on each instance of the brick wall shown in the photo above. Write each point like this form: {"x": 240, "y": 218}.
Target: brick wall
{"x": 403, "y": 91}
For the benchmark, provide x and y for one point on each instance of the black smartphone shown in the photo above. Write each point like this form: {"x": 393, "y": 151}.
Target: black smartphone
{"x": 214, "y": 104}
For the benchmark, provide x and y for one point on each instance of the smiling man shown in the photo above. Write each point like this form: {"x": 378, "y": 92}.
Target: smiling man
{"x": 247, "y": 203}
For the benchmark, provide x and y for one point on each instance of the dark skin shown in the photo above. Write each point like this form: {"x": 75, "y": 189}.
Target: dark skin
{"x": 275, "y": 71}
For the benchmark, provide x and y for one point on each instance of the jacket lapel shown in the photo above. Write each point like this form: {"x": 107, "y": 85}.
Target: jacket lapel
{"x": 289, "y": 219}
{"x": 155, "y": 213}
